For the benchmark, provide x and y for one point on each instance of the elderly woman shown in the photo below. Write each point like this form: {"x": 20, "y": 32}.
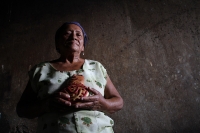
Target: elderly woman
{"x": 70, "y": 94}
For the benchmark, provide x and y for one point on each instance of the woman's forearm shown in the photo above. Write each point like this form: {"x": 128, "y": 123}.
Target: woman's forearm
{"x": 113, "y": 104}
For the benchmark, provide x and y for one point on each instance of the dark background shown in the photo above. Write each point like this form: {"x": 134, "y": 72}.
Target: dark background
{"x": 151, "y": 49}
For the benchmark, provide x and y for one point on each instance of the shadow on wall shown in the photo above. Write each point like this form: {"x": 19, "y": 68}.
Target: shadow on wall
{"x": 5, "y": 80}
{"x": 4, "y": 124}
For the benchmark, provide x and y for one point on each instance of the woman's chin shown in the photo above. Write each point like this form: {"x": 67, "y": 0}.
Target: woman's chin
{"x": 73, "y": 47}
{"x": 70, "y": 50}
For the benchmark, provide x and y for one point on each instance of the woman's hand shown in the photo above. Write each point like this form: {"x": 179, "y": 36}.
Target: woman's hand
{"x": 59, "y": 102}
{"x": 111, "y": 102}
{"x": 94, "y": 102}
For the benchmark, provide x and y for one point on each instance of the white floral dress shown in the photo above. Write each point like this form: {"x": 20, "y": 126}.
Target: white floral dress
{"x": 45, "y": 80}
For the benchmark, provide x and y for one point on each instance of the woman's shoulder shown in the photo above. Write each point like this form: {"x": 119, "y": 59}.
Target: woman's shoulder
{"x": 40, "y": 65}
{"x": 96, "y": 66}
{"x": 92, "y": 62}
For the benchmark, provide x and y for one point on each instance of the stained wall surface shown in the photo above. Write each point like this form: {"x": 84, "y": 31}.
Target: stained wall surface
{"x": 151, "y": 50}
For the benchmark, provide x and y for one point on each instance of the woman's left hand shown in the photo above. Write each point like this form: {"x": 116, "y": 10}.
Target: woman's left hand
{"x": 94, "y": 102}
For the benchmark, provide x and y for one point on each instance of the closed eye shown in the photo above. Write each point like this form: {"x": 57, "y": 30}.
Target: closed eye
{"x": 68, "y": 32}
{"x": 79, "y": 34}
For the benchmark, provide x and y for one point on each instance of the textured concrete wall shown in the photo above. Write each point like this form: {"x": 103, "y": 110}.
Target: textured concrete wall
{"x": 151, "y": 50}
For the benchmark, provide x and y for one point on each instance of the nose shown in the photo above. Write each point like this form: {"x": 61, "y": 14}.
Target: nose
{"x": 73, "y": 36}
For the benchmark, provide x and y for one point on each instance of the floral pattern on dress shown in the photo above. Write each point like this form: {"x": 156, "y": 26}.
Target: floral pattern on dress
{"x": 46, "y": 80}
{"x": 86, "y": 121}
{"x": 99, "y": 84}
{"x": 63, "y": 122}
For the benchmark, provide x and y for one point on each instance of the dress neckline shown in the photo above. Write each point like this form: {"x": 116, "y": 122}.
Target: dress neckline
{"x": 82, "y": 67}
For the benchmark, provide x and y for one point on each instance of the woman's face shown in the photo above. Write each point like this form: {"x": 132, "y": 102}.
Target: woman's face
{"x": 71, "y": 40}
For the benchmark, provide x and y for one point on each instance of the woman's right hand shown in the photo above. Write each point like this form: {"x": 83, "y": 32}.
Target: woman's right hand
{"x": 59, "y": 102}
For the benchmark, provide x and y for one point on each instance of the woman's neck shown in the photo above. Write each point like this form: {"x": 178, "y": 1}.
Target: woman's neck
{"x": 73, "y": 58}
{"x": 68, "y": 63}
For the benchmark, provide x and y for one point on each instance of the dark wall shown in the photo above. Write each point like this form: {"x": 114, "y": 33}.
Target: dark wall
{"x": 151, "y": 50}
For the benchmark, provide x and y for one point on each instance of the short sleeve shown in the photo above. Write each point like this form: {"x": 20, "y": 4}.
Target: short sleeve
{"x": 104, "y": 71}
{"x": 34, "y": 75}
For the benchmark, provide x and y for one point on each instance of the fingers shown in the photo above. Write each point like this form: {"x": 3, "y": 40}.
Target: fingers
{"x": 95, "y": 97}
{"x": 60, "y": 102}
{"x": 63, "y": 101}
{"x": 62, "y": 98}
{"x": 62, "y": 95}
{"x": 89, "y": 105}
{"x": 90, "y": 98}
{"x": 90, "y": 102}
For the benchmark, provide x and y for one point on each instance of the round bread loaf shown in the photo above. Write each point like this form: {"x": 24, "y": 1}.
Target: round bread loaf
{"x": 76, "y": 88}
